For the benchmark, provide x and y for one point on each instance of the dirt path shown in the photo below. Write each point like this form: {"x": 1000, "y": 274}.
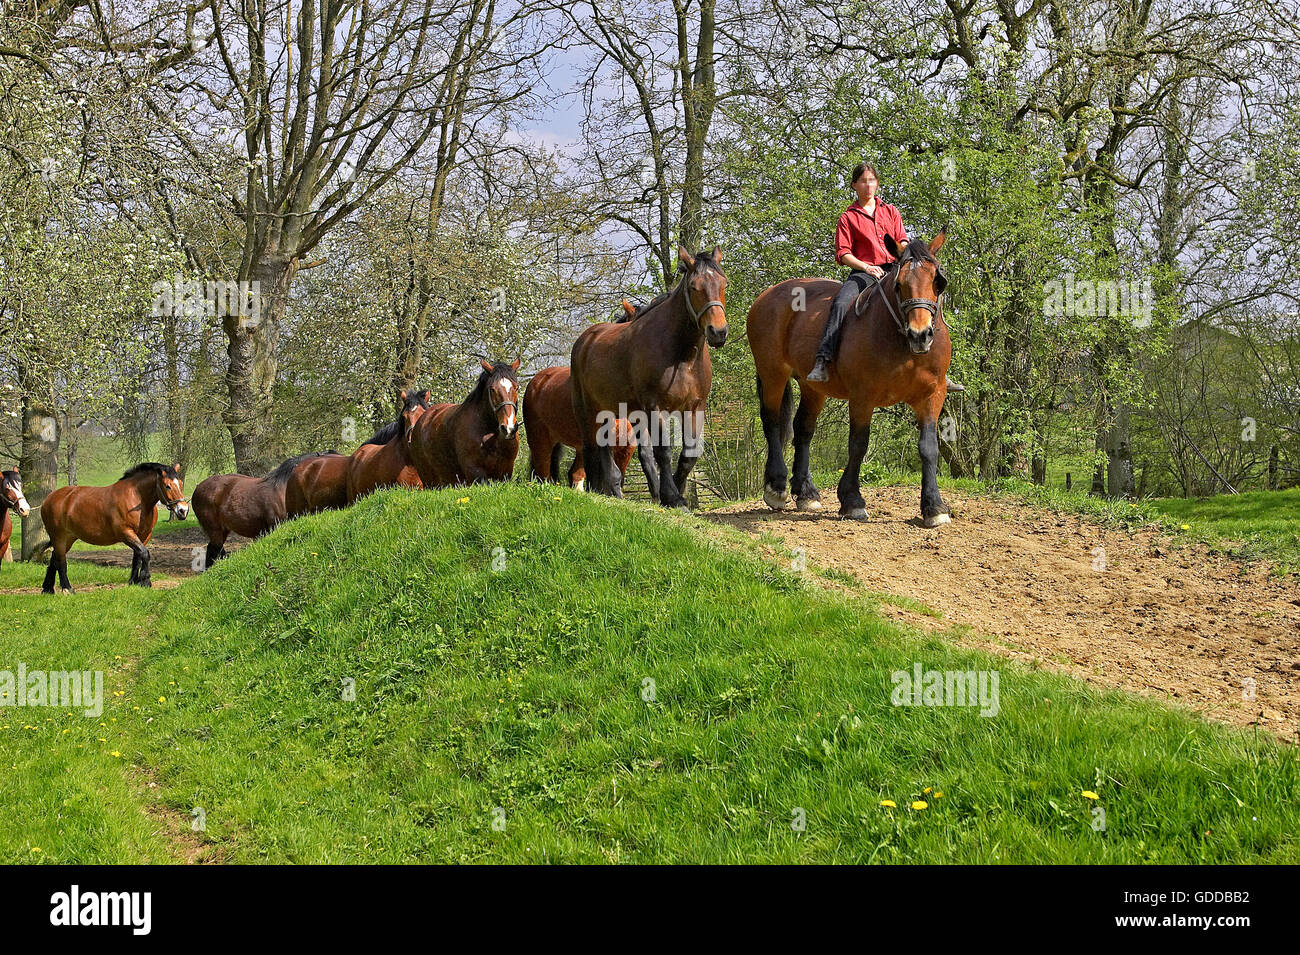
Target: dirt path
{"x": 1182, "y": 623}
{"x": 171, "y": 556}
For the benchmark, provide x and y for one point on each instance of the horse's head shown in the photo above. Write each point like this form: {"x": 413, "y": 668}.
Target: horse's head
{"x": 414, "y": 404}
{"x": 705, "y": 289}
{"x": 919, "y": 283}
{"x": 171, "y": 491}
{"x": 501, "y": 386}
{"x": 11, "y": 487}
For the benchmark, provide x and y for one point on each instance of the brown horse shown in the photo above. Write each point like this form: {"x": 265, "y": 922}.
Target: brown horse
{"x": 122, "y": 513}
{"x": 897, "y": 351}
{"x": 318, "y": 483}
{"x": 228, "y": 504}
{"x": 644, "y": 370}
{"x": 551, "y": 426}
{"x": 11, "y": 499}
{"x": 476, "y": 440}
{"x": 385, "y": 459}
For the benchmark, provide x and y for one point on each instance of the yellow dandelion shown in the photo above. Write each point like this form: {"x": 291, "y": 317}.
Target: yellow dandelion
{"x": 889, "y": 804}
{"x": 462, "y": 500}
{"x": 920, "y": 804}
{"x": 926, "y": 790}
{"x": 1089, "y": 794}
{"x": 1185, "y": 527}
{"x": 162, "y": 699}
{"x": 938, "y": 795}
{"x": 36, "y": 848}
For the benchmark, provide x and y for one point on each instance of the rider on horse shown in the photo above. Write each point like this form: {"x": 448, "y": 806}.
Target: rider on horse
{"x": 859, "y": 244}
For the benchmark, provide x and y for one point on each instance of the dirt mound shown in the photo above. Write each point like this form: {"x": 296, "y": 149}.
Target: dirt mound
{"x": 1179, "y": 621}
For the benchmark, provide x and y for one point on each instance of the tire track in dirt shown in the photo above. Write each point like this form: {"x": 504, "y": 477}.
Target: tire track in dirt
{"x": 1176, "y": 621}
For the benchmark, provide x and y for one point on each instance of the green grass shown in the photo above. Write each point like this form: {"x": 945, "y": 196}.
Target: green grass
{"x": 521, "y": 692}
{"x": 1251, "y": 525}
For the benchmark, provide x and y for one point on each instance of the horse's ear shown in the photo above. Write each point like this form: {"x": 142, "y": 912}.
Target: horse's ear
{"x": 687, "y": 259}
{"x": 716, "y": 255}
{"x": 627, "y": 307}
{"x": 487, "y": 365}
{"x": 892, "y": 246}
{"x": 516, "y": 363}
{"x": 401, "y": 396}
{"x": 937, "y": 242}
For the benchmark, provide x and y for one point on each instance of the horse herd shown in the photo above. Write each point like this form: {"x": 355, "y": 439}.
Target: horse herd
{"x": 623, "y": 379}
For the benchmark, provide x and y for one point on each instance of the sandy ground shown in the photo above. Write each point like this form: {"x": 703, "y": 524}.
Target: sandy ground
{"x": 1175, "y": 621}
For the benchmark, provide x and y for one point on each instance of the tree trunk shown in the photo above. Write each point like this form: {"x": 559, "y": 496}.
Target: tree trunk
{"x": 1119, "y": 454}
{"x": 254, "y": 341}
{"x": 39, "y": 467}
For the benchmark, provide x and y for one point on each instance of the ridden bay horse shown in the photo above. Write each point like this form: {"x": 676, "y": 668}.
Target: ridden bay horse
{"x": 318, "y": 483}
{"x": 385, "y": 459}
{"x": 898, "y": 350}
{"x": 122, "y": 513}
{"x": 476, "y": 440}
{"x": 551, "y": 426}
{"x": 228, "y": 504}
{"x": 655, "y": 365}
{"x": 11, "y": 499}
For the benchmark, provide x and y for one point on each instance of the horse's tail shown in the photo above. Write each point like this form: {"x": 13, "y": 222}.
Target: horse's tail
{"x": 786, "y": 414}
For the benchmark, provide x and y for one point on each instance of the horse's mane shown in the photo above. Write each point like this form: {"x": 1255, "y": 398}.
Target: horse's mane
{"x": 280, "y": 476}
{"x": 480, "y": 386}
{"x": 917, "y": 249}
{"x": 389, "y": 431}
{"x": 165, "y": 469}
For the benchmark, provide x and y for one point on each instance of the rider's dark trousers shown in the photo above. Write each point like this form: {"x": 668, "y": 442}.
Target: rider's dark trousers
{"x": 855, "y": 284}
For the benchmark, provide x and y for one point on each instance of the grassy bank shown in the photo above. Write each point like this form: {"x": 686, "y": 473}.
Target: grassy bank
{"x": 613, "y": 684}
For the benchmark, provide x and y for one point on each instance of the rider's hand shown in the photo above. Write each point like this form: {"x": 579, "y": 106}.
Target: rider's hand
{"x": 875, "y": 270}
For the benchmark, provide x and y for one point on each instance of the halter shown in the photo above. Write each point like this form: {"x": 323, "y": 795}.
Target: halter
{"x": 905, "y": 306}
{"x": 170, "y": 505}
{"x": 12, "y": 505}
{"x": 505, "y": 404}
{"x": 690, "y": 307}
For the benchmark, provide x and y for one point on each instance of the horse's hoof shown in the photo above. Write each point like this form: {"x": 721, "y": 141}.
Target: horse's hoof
{"x": 776, "y": 500}
{"x": 936, "y": 520}
{"x": 808, "y": 504}
{"x": 580, "y": 486}
{"x": 48, "y": 590}
{"x": 857, "y": 514}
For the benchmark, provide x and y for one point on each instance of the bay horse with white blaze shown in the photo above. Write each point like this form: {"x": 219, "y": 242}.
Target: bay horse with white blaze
{"x": 11, "y": 499}
{"x": 228, "y": 504}
{"x": 655, "y": 365}
{"x": 898, "y": 350}
{"x": 476, "y": 440}
{"x": 122, "y": 513}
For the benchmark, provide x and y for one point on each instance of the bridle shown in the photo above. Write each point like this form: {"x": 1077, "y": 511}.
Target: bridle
{"x": 12, "y": 505}
{"x": 162, "y": 496}
{"x": 905, "y": 306}
{"x": 505, "y": 404}
{"x": 690, "y": 306}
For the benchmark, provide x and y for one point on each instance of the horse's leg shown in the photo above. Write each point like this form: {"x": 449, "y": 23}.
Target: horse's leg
{"x": 135, "y": 568}
{"x": 577, "y": 474}
{"x": 775, "y": 407}
{"x": 63, "y": 570}
{"x": 850, "y": 487}
{"x": 50, "y": 571}
{"x": 692, "y": 447}
{"x": 645, "y": 450}
{"x": 670, "y": 494}
{"x": 933, "y": 510}
{"x": 805, "y": 423}
{"x": 216, "y": 548}
{"x": 142, "y": 557}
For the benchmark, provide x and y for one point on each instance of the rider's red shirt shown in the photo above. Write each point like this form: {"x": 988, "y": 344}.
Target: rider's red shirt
{"x": 864, "y": 235}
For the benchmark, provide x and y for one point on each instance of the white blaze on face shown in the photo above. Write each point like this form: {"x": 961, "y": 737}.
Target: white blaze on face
{"x": 508, "y": 401}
